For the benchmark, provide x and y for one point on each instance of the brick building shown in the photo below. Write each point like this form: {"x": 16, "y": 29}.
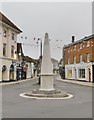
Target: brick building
{"x": 79, "y": 59}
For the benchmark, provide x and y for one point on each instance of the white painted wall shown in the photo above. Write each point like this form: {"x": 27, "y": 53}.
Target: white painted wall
{"x": 32, "y": 69}
{"x": 1, "y": 51}
{"x": 9, "y": 42}
{"x": 29, "y": 70}
{"x": 0, "y": 69}
{"x": 85, "y": 66}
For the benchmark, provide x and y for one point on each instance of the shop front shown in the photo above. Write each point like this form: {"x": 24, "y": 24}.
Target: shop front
{"x": 82, "y": 71}
{"x": 12, "y": 72}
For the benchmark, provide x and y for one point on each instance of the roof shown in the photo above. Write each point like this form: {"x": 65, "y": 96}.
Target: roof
{"x": 54, "y": 60}
{"x": 29, "y": 59}
{"x": 25, "y": 58}
{"x": 4, "y": 19}
{"x": 79, "y": 41}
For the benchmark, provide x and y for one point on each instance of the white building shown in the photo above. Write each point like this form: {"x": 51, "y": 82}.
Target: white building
{"x": 54, "y": 65}
{"x": 29, "y": 65}
{"x": 8, "y": 48}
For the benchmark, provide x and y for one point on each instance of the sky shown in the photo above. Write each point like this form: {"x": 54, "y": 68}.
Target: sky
{"x": 61, "y": 20}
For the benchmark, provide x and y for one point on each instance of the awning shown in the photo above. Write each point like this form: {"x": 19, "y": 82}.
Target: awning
{"x": 4, "y": 68}
{"x": 12, "y": 68}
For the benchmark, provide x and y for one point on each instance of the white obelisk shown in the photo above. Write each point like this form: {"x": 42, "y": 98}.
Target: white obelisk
{"x": 46, "y": 67}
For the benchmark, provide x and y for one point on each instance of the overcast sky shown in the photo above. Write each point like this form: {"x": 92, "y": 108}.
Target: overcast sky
{"x": 60, "y": 20}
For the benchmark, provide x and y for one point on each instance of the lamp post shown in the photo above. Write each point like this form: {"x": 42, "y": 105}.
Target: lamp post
{"x": 40, "y": 58}
{"x": 39, "y": 39}
{"x": 20, "y": 69}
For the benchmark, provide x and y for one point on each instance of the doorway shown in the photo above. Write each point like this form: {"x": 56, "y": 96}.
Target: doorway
{"x": 89, "y": 73}
{"x": 93, "y": 73}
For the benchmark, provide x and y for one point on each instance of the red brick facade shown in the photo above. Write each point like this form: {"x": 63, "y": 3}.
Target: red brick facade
{"x": 82, "y": 47}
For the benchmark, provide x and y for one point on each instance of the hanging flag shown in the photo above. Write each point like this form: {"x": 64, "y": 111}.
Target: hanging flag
{"x": 25, "y": 37}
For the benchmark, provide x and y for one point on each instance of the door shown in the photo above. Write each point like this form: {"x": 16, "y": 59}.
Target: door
{"x": 89, "y": 71}
{"x": 93, "y": 73}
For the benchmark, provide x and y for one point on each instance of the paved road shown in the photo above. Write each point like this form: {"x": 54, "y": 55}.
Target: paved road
{"x": 14, "y": 106}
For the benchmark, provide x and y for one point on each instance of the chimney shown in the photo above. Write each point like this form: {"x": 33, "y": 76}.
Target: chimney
{"x": 73, "y": 38}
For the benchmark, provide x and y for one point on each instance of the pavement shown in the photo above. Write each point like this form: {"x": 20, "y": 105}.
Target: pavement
{"x": 83, "y": 83}
{"x": 16, "y": 82}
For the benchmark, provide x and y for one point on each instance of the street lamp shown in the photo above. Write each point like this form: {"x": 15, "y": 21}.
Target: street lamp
{"x": 40, "y": 58}
{"x": 39, "y": 39}
{"x": 20, "y": 69}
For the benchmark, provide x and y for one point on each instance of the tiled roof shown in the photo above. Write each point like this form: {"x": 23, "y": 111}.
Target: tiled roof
{"x": 4, "y": 19}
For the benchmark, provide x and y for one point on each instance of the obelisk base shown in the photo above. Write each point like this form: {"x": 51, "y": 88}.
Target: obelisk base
{"x": 46, "y": 82}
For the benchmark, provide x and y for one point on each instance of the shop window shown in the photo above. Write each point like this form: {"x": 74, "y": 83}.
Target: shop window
{"x": 4, "y": 68}
{"x": 81, "y": 73}
{"x": 69, "y": 73}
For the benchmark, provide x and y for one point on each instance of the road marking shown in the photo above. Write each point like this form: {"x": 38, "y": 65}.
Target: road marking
{"x": 41, "y": 98}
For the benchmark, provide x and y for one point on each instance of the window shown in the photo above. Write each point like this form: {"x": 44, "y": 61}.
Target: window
{"x": 5, "y": 33}
{"x": 80, "y": 58}
{"x": 69, "y": 73}
{"x": 80, "y": 45}
{"x": 68, "y": 60}
{"x": 74, "y": 47}
{"x": 74, "y": 59}
{"x": 4, "y": 49}
{"x": 88, "y": 43}
{"x": 88, "y": 57}
{"x": 69, "y": 49}
{"x": 12, "y": 51}
{"x": 81, "y": 73}
{"x": 12, "y": 36}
